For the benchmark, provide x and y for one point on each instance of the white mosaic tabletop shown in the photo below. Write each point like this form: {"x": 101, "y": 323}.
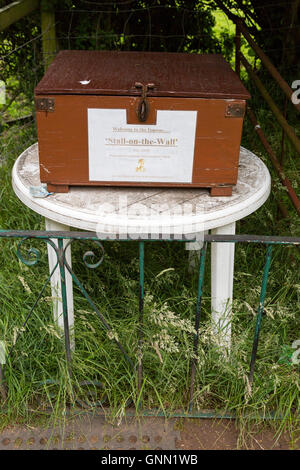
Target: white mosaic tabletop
{"x": 188, "y": 209}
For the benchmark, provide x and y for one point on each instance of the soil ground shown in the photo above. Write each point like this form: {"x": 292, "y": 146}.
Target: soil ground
{"x": 149, "y": 433}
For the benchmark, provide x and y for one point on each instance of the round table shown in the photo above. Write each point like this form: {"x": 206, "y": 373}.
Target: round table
{"x": 155, "y": 213}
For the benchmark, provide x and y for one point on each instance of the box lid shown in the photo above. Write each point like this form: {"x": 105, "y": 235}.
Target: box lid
{"x": 115, "y": 73}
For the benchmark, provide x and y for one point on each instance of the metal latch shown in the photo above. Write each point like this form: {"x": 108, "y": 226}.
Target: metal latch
{"x": 143, "y": 107}
{"x": 235, "y": 110}
{"x": 45, "y": 104}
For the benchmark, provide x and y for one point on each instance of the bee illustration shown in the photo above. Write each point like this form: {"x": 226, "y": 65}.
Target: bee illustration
{"x": 141, "y": 165}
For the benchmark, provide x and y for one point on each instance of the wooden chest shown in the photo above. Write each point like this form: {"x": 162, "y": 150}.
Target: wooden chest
{"x": 139, "y": 119}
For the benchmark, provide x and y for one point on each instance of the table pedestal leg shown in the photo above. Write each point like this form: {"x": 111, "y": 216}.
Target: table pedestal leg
{"x": 222, "y": 268}
{"x": 56, "y": 282}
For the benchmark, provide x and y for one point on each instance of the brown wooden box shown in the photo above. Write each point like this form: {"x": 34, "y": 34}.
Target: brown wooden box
{"x": 139, "y": 119}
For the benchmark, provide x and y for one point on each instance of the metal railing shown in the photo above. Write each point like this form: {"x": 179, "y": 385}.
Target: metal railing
{"x": 287, "y": 130}
{"x": 56, "y": 239}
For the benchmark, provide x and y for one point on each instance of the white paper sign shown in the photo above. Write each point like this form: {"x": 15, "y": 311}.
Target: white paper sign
{"x": 163, "y": 152}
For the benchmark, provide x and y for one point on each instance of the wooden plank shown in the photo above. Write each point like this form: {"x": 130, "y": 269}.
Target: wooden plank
{"x": 49, "y": 43}
{"x": 15, "y": 11}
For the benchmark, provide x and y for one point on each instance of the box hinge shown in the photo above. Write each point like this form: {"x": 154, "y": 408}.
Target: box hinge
{"x": 45, "y": 104}
{"x": 235, "y": 110}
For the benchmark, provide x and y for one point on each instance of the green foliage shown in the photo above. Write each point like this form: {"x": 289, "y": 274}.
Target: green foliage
{"x": 172, "y": 26}
{"x": 20, "y": 59}
{"x": 158, "y": 25}
{"x": 276, "y": 28}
